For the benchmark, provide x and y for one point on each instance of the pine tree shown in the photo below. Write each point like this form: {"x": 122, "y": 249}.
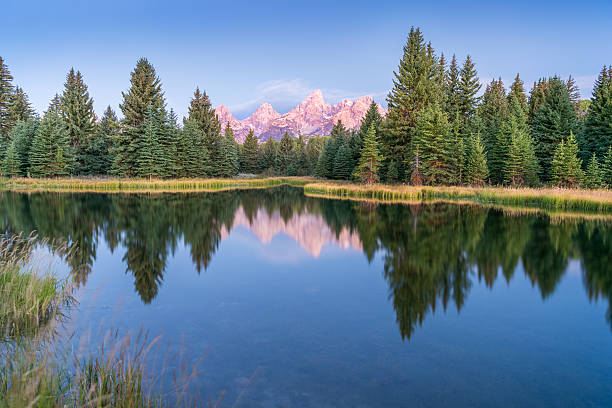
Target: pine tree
{"x": 22, "y": 135}
{"x": 145, "y": 91}
{"x": 520, "y": 166}
{"x": 372, "y": 116}
{"x": 415, "y": 86}
{"x": 202, "y": 113}
{"x": 285, "y": 155}
{"x": 370, "y": 158}
{"x": 268, "y": 157}
{"x": 494, "y": 112}
{"x": 20, "y": 108}
{"x": 314, "y": 147}
{"x": 11, "y": 166}
{"x": 607, "y": 168}
{"x": 98, "y": 156}
{"x": 593, "y": 177}
{"x": 537, "y": 96}
{"x": 191, "y": 154}
{"x": 597, "y": 134}
{"x": 517, "y": 90}
{"x": 566, "y": 166}
{"x": 230, "y": 159}
{"x": 6, "y": 97}
{"x": 343, "y": 163}
{"x": 78, "y": 114}
{"x": 469, "y": 87}
{"x": 51, "y": 154}
{"x": 574, "y": 93}
{"x": 149, "y": 149}
{"x": 476, "y": 170}
{"x": 554, "y": 120}
{"x": 453, "y": 92}
{"x": 435, "y": 145}
{"x": 55, "y": 107}
{"x": 249, "y": 154}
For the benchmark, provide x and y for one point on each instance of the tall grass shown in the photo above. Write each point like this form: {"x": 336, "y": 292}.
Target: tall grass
{"x": 110, "y": 185}
{"x": 38, "y": 369}
{"x": 594, "y": 201}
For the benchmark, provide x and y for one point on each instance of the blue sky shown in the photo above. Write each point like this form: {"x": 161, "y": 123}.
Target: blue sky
{"x": 244, "y": 53}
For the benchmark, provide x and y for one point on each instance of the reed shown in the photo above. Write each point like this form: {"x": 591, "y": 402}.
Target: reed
{"x": 557, "y": 199}
{"x": 109, "y": 185}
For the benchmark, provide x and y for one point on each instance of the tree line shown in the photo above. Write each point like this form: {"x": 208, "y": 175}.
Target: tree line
{"x": 439, "y": 130}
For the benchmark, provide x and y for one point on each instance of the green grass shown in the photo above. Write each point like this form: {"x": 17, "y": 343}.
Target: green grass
{"x": 590, "y": 201}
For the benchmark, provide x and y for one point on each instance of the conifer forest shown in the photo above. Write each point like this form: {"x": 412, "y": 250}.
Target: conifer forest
{"x": 441, "y": 129}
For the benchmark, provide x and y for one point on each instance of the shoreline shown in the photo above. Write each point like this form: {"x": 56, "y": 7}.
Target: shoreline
{"x": 552, "y": 199}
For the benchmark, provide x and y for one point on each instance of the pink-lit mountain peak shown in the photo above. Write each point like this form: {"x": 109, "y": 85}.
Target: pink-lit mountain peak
{"x": 312, "y": 117}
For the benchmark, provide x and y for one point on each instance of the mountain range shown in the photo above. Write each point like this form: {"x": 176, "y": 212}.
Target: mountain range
{"x": 312, "y": 117}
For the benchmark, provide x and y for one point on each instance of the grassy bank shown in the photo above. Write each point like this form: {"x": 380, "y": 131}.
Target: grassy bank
{"x": 38, "y": 369}
{"x": 593, "y": 201}
{"x": 110, "y": 185}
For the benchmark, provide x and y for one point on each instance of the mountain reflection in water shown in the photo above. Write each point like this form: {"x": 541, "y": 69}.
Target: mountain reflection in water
{"x": 431, "y": 252}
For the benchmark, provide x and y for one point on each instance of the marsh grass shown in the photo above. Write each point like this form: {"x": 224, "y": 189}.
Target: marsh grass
{"x": 38, "y": 368}
{"x": 590, "y": 201}
{"x": 110, "y": 185}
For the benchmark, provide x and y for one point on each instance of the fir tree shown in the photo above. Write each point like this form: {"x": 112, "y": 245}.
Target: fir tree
{"x": 98, "y": 155}
{"x": 517, "y": 90}
{"x": 249, "y": 154}
{"x": 468, "y": 90}
{"x": 78, "y": 114}
{"x": 520, "y": 166}
{"x": 370, "y": 158}
{"x": 415, "y": 86}
{"x": 453, "y": 91}
{"x": 607, "y": 168}
{"x": 537, "y": 96}
{"x": 55, "y": 107}
{"x": 11, "y": 166}
{"x": 6, "y": 97}
{"x": 22, "y": 135}
{"x": 230, "y": 159}
{"x": 203, "y": 114}
{"x": 494, "y": 112}
{"x": 476, "y": 170}
{"x": 574, "y": 93}
{"x": 593, "y": 177}
{"x": 20, "y": 108}
{"x": 435, "y": 145}
{"x": 553, "y": 121}
{"x": 145, "y": 91}
{"x": 337, "y": 138}
{"x": 566, "y": 166}
{"x": 597, "y": 134}
{"x": 191, "y": 154}
{"x": 343, "y": 162}
{"x": 268, "y": 157}
{"x": 51, "y": 154}
{"x": 314, "y": 147}
{"x": 285, "y": 155}
{"x": 149, "y": 147}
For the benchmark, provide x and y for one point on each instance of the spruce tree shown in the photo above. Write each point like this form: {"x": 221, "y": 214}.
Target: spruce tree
{"x": 22, "y": 136}
{"x": 20, "y": 108}
{"x": 314, "y": 146}
{"x": 434, "y": 142}
{"x": 517, "y": 90}
{"x": 55, "y": 107}
{"x": 11, "y": 166}
{"x": 520, "y": 166}
{"x": 268, "y": 157}
{"x": 343, "y": 162}
{"x": 285, "y": 154}
{"x": 566, "y": 166}
{"x": 337, "y": 138}
{"x": 597, "y": 133}
{"x": 202, "y": 113}
{"x": 469, "y": 86}
{"x": 593, "y": 177}
{"x": 370, "y": 158}
{"x": 574, "y": 93}
{"x": 78, "y": 114}
{"x": 554, "y": 120}
{"x": 191, "y": 153}
{"x": 537, "y": 96}
{"x": 51, "y": 154}
{"x": 249, "y": 154}
{"x": 6, "y": 97}
{"x": 145, "y": 91}
{"x": 230, "y": 159}
{"x": 99, "y": 153}
{"x": 415, "y": 86}
{"x": 476, "y": 169}
{"x": 149, "y": 148}
{"x": 494, "y": 112}
{"x": 607, "y": 168}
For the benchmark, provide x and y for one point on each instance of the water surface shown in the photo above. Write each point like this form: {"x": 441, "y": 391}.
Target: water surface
{"x": 300, "y": 301}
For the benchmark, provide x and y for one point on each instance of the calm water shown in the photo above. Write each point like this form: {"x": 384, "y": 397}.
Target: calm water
{"x": 309, "y": 302}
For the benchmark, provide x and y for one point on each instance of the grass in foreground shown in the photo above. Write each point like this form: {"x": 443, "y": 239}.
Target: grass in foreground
{"x": 545, "y": 198}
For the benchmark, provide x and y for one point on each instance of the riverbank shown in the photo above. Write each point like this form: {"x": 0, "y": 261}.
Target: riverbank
{"x": 555, "y": 199}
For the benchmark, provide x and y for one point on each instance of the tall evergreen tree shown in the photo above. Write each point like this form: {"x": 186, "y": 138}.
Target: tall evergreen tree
{"x": 435, "y": 146}
{"x": 78, "y": 114}
{"x": 517, "y": 90}
{"x": 554, "y": 120}
{"x": 6, "y": 97}
{"x": 98, "y": 155}
{"x": 370, "y": 158}
{"x": 574, "y": 93}
{"x": 191, "y": 155}
{"x": 20, "y": 108}
{"x": 55, "y": 107}
{"x": 469, "y": 86}
{"x": 415, "y": 86}
{"x": 285, "y": 155}
{"x": 607, "y": 168}
{"x": 537, "y": 96}
{"x": 520, "y": 166}
{"x": 593, "y": 177}
{"x": 145, "y": 91}
{"x": 201, "y": 112}
{"x": 148, "y": 148}
{"x": 337, "y": 138}
{"x": 22, "y": 136}
{"x": 476, "y": 169}
{"x": 51, "y": 154}
{"x": 453, "y": 90}
{"x": 597, "y": 133}
{"x": 343, "y": 162}
{"x": 566, "y": 166}
{"x": 494, "y": 112}
{"x": 268, "y": 157}
{"x": 11, "y": 166}
{"x": 249, "y": 154}
{"x": 230, "y": 159}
